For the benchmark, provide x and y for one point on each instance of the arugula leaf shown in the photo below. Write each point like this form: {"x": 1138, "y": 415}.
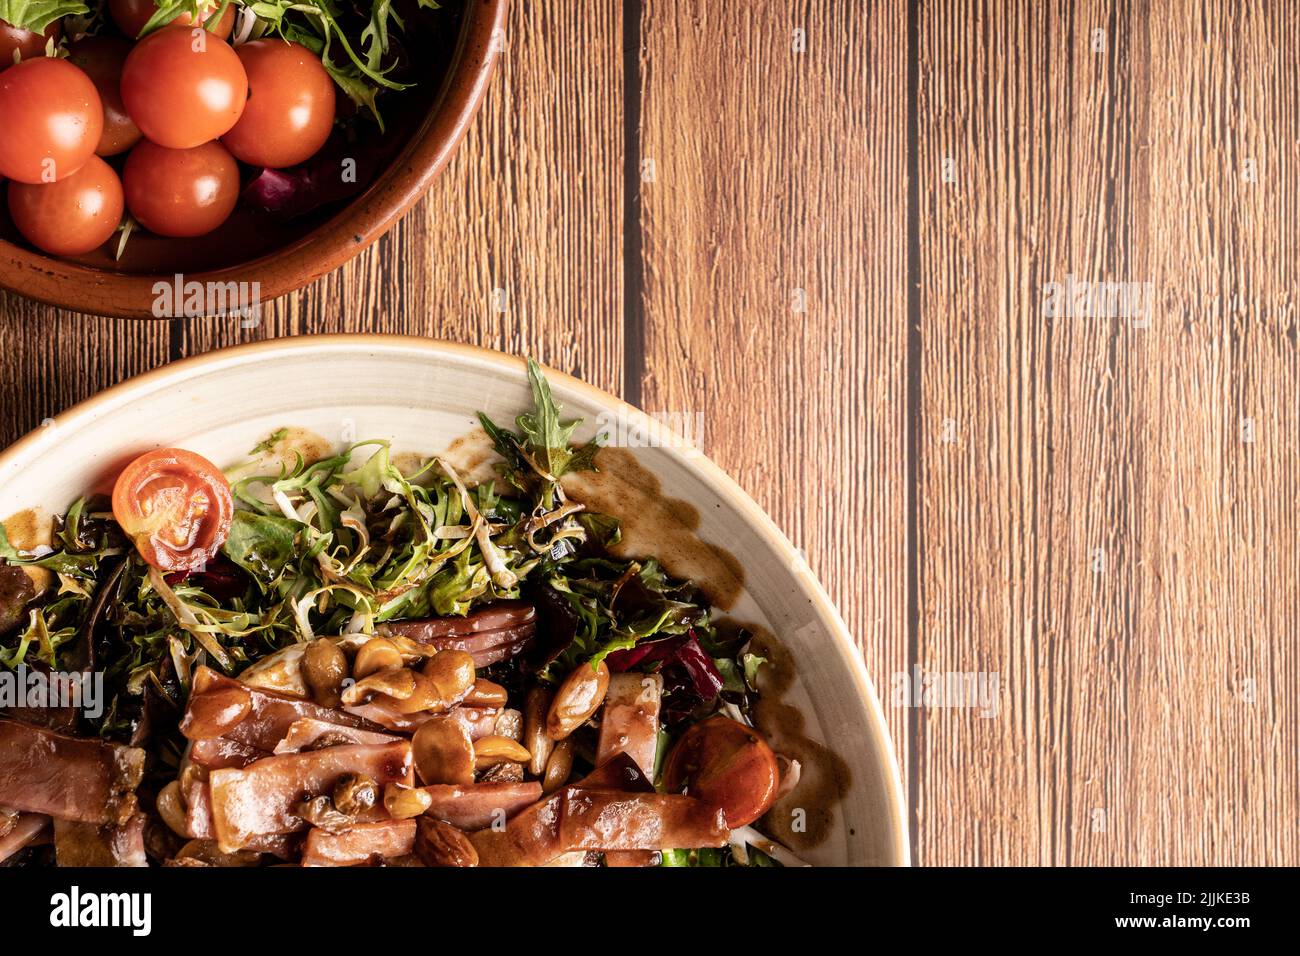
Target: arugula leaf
{"x": 262, "y": 544}
{"x": 547, "y": 436}
{"x": 36, "y": 15}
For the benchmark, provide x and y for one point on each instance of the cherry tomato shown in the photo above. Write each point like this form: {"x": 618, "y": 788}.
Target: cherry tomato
{"x": 180, "y": 192}
{"x": 727, "y": 765}
{"x": 72, "y": 216}
{"x": 101, "y": 59}
{"x": 176, "y": 507}
{"x": 131, "y": 16}
{"x": 183, "y": 87}
{"x": 50, "y": 120}
{"x": 290, "y": 109}
{"x": 25, "y": 43}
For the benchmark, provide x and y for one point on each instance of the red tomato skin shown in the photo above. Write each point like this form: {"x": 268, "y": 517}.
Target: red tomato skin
{"x": 290, "y": 108}
{"x": 180, "y": 192}
{"x": 727, "y": 765}
{"x": 26, "y": 43}
{"x": 183, "y": 87}
{"x": 51, "y": 119}
{"x": 131, "y": 16}
{"x": 72, "y": 216}
{"x": 159, "y": 479}
{"x": 101, "y": 58}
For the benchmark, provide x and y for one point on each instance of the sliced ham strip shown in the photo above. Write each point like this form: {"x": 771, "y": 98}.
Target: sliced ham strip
{"x": 89, "y": 781}
{"x": 629, "y": 723}
{"x": 198, "y": 810}
{"x": 26, "y": 830}
{"x": 360, "y": 844}
{"x": 198, "y": 815}
{"x": 479, "y": 805}
{"x": 310, "y": 733}
{"x": 628, "y": 858}
{"x": 576, "y": 819}
{"x": 222, "y": 707}
{"x": 85, "y": 844}
{"x": 216, "y": 753}
{"x": 481, "y": 721}
{"x": 260, "y": 798}
{"x": 497, "y": 632}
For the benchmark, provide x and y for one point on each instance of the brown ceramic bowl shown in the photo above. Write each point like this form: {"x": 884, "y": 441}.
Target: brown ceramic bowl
{"x": 458, "y": 46}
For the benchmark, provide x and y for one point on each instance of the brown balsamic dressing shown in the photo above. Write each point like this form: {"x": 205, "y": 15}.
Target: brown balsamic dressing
{"x": 824, "y": 777}
{"x": 27, "y": 530}
{"x": 657, "y": 526}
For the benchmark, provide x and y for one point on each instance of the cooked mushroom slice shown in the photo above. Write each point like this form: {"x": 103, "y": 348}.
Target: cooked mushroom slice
{"x": 486, "y": 693}
{"x": 404, "y": 802}
{"x": 395, "y": 683}
{"x": 452, "y": 674}
{"x": 321, "y": 812}
{"x": 355, "y": 793}
{"x": 324, "y": 668}
{"x": 492, "y": 750}
{"x": 444, "y": 751}
{"x": 377, "y": 654}
{"x": 171, "y": 807}
{"x": 536, "y": 706}
{"x": 576, "y": 699}
{"x": 558, "y": 767}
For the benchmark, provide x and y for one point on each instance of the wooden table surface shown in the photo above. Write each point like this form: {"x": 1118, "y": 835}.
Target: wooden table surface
{"x": 832, "y": 228}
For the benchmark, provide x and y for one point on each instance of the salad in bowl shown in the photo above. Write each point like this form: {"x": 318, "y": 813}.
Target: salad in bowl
{"x": 354, "y": 656}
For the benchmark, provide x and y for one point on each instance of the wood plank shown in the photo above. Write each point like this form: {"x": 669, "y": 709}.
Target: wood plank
{"x": 1095, "y": 535}
{"x": 529, "y": 206}
{"x": 776, "y": 171}
{"x": 53, "y": 359}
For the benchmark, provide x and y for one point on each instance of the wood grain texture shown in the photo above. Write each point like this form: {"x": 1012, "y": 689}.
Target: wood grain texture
{"x": 518, "y": 244}
{"x": 1094, "y": 530}
{"x": 838, "y": 256}
{"x": 773, "y": 211}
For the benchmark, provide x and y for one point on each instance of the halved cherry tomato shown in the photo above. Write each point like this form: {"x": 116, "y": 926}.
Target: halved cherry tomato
{"x": 50, "y": 120}
{"x": 176, "y": 507}
{"x": 74, "y": 215}
{"x": 290, "y": 109}
{"x": 183, "y": 87}
{"x": 180, "y": 192}
{"x": 727, "y": 765}
{"x": 101, "y": 58}
{"x": 25, "y": 43}
{"x": 131, "y": 16}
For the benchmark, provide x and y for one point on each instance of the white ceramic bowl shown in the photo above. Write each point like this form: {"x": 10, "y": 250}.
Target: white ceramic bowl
{"x": 423, "y": 394}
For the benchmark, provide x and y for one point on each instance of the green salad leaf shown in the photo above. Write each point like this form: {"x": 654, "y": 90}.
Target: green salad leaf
{"x": 36, "y": 15}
